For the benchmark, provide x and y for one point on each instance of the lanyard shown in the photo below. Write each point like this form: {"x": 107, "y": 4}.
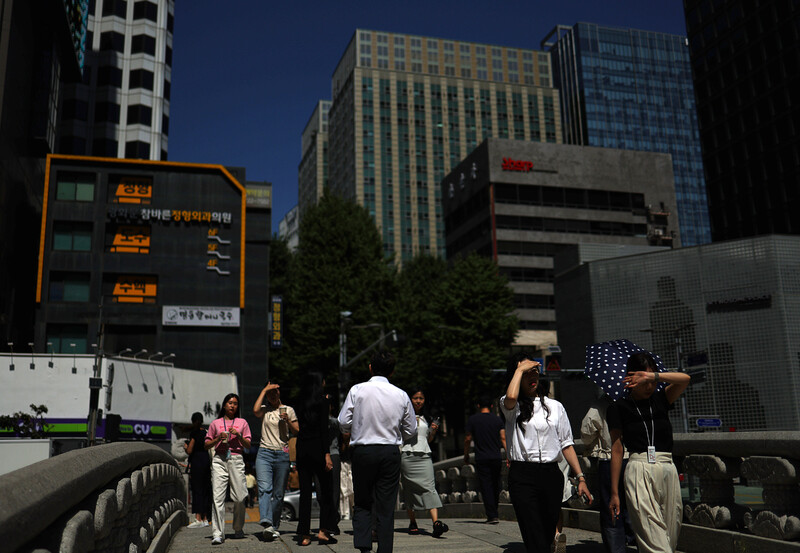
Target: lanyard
{"x": 650, "y": 442}
{"x": 225, "y": 427}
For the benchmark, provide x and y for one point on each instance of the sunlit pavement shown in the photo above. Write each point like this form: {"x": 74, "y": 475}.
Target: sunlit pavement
{"x": 464, "y": 536}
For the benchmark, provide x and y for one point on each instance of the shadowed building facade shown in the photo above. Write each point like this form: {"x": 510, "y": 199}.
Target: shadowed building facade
{"x": 520, "y": 203}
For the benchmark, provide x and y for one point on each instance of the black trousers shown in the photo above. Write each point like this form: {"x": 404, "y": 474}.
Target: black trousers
{"x": 616, "y": 534}
{"x": 376, "y": 476}
{"x": 489, "y": 479}
{"x": 536, "y": 490}
{"x": 310, "y": 465}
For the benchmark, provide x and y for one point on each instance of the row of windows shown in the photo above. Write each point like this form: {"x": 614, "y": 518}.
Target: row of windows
{"x": 75, "y": 287}
{"x": 534, "y": 301}
{"x": 569, "y": 197}
{"x": 108, "y": 112}
{"x": 142, "y": 9}
{"x": 573, "y": 226}
{"x": 140, "y": 44}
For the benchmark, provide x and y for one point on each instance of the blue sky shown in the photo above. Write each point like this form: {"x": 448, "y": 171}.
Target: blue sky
{"x": 246, "y": 74}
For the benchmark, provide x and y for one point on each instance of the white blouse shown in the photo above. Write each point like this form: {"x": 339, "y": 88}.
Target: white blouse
{"x": 543, "y": 438}
{"x": 420, "y": 443}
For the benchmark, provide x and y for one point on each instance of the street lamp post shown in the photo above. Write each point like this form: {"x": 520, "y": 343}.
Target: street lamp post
{"x": 344, "y": 316}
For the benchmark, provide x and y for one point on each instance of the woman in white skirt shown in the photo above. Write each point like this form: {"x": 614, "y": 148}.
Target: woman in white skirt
{"x": 416, "y": 471}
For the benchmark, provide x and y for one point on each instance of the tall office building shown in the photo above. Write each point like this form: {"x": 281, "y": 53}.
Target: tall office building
{"x": 41, "y": 48}
{"x": 122, "y": 107}
{"x": 313, "y": 171}
{"x": 632, "y": 90}
{"x": 746, "y": 65}
{"x": 407, "y": 109}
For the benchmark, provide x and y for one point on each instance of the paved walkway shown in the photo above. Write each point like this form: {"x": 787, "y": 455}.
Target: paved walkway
{"x": 465, "y": 536}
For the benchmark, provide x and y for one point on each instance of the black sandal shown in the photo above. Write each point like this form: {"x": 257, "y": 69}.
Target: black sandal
{"x": 413, "y": 529}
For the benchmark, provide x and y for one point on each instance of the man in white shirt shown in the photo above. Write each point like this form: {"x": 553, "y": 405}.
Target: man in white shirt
{"x": 379, "y": 417}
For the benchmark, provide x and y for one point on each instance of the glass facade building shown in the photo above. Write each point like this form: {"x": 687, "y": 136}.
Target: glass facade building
{"x": 741, "y": 325}
{"x": 632, "y": 89}
{"x": 746, "y": 65}
{"x": 407, "y": 109}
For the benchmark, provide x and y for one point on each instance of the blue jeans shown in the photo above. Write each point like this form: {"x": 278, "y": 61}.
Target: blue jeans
{"x": 272, "y": 472}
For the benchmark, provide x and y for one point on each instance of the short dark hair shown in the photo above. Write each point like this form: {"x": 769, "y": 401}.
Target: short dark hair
{"x": 382, "y": 363}
{"x": 197, "y": 416}
{"x": 485, "y": 401}
{"x": 641, "y": 362}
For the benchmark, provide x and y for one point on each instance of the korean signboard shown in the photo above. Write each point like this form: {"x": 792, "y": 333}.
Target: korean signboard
{"x": 183, "y": 315}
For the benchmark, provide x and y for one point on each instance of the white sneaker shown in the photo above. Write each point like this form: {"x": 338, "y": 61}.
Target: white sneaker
{"x": 270, "y": 533}
{"x": 205, "y": 523}
{"x": 196, "y": 524}
{"x": 217, "y": 541}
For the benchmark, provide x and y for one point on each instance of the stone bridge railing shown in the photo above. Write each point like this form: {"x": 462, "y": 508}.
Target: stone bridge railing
{"x": 120, "y": 497}
{"x": 769, "y": 460}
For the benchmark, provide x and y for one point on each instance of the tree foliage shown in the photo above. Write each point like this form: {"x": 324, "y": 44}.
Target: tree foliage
{"x": 27, "y": 425}
{"x": 339, "y": 266}
{"x": 456, "y": 317}
{"x": 458, "y": 323}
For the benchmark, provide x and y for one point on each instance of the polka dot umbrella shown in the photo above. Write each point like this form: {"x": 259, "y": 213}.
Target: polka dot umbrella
{"x": 606, "y": 365}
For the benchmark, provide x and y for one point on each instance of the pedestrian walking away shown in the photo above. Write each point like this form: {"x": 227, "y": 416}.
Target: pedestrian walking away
{"x": 228, "y": 436}
{"x": 641, "y": 423}
{"x": 487, "y": 431}
{"x": 537, "y": 433}
{"x": 314, "y": 460}
{"x": 278, "y": 423}
{"x": 379, "y": 417}
{"x": 199, "y": 472}
{"x": 617, "y": 534}
{"x": 416, "y": 470}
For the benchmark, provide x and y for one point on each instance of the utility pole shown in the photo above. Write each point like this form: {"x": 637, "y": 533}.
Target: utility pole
{"x": 96, "y": 381}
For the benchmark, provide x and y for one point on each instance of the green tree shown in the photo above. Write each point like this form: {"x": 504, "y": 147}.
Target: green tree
{"x": 458, "y": 325}
{"x": 339, "y": 266}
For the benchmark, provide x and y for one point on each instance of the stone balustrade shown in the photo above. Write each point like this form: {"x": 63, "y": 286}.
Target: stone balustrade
{"x": 121, "y": 498}
{"x": 770, "y": 460}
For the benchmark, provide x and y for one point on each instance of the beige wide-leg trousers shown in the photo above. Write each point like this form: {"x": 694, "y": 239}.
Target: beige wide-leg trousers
{"x": 654, "y": 502}
{"x": 222, "y": 472}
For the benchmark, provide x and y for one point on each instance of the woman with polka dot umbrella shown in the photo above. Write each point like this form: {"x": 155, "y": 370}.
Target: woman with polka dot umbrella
{"x": 606, "y": 365}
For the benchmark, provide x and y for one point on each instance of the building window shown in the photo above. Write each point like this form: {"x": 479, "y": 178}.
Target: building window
{"x": 75, "y": 145}
{"x": 168, "y": 56}
{"x": 109, "y": 76}
{"x": 167, "y": 89}
{"x": 139, "y": 115}
{"x": 75, "y": 187}
{"x": 72, "y": 237}
{"x": 106, "y": 112}
{"x": 165, "y": 124}
{"x": 74, "y": 109}
{"x": 104, "y": 147}
{"x": 112, "y": 41}
{"x": 143, "y": 44}
{"x": 140, "y": 78}
{"x": 72, "y": 287}
{"x": 118, "y": 8}
{"x": 170, "y": 22}
{"x": 67, "y": 338}
{"x": 145, "y": 10}
{"x": 136, "y": 149}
